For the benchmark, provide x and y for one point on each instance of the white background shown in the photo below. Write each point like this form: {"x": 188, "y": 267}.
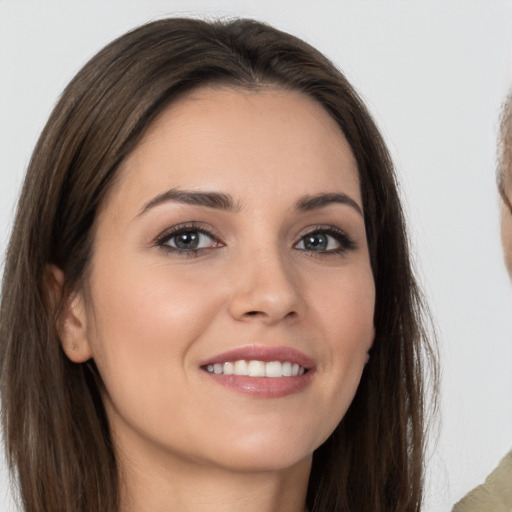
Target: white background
{"x": 434, "y": 74}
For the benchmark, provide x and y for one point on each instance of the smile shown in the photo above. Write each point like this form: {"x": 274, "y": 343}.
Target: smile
{"x": 255, "y": 368}
{"x": 261, "y": 371}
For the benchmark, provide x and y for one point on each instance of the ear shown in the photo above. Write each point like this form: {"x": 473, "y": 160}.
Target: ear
{"x": 71, "y": 319}
{"x": 367, "y": 355}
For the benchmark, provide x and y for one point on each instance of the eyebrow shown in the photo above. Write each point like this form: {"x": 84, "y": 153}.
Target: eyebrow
{"x": 308, "y": 203}
{"x": 221, "y": 201}
{"x": 215, "y": 200}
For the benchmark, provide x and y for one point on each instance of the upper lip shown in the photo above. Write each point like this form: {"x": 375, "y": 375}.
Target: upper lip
{"x": 262, "y": 353}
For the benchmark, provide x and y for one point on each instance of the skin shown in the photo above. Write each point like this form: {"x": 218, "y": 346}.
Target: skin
{"x": 506, "y": 232}
{"x": 150, "y": 315}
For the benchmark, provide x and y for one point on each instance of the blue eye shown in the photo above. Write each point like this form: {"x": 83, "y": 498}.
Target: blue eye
{"x": 328, "y": 240}
{"x": 188, "y": 240}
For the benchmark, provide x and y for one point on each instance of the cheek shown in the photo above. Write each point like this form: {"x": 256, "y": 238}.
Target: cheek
{"x": 146, "y": 318}
{"x": 346, "y": 312}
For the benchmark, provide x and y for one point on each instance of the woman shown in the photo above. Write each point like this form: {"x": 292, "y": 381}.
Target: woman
{"x": 208, "y": 242}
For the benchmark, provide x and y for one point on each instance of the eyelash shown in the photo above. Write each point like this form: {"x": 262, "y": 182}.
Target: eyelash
{"x": 345, "y": 242}
{"x": 175, "y": 231}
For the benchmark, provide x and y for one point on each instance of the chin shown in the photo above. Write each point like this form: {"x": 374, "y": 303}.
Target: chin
{"x": 263, "y": 452}
{"x": 265, "y": 461}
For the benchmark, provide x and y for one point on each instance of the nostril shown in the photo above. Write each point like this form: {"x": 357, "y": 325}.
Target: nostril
{"x": 251, "y": 314}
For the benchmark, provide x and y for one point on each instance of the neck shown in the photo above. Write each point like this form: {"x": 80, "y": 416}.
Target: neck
{"x": 179, "y": 485}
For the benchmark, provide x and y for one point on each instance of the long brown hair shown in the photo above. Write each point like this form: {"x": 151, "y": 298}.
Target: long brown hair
{"x": 56, "y": 431}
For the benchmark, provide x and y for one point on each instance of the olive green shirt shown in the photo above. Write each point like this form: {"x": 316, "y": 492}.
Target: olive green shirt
{"x": 494, "y": 495}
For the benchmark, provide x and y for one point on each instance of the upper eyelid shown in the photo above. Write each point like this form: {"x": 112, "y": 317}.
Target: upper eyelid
{"x": 187, "y": 226}
{"x": 210, "y": 231}
{"x": 328, "y": 228}
{"x": 331, "y": 230}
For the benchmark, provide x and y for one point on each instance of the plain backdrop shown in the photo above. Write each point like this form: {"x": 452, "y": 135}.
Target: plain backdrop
{"x": 434, "y": 74}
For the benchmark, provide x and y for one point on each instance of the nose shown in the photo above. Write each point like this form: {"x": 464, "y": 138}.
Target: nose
{"x": 265, "y": 289}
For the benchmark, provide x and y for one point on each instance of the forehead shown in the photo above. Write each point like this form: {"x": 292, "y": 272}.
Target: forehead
{"x": 267, "y": 140}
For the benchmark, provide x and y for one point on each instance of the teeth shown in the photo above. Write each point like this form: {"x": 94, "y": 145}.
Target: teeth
{"x": 257, "y": 368}
{"x": 287, "y": 369}
{"x": 240, "y": 368}
{"x": 273, "y": 369}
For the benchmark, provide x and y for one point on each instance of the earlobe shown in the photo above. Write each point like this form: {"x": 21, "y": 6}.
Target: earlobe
{"x": 70, "y": 318}
{"x": 367, "y": 355}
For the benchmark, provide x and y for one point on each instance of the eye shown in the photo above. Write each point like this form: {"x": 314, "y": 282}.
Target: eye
{"x": 189, "y": 239}
{"x": 325, "y": 240}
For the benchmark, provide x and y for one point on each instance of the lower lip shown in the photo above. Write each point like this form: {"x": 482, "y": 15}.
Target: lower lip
{"x": 264, "y": 387}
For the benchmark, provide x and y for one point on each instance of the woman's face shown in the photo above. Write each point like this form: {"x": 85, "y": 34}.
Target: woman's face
{"x": 230, "y": 302}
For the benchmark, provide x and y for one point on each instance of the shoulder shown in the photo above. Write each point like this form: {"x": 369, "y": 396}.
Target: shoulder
{"x": 494, "y": 494}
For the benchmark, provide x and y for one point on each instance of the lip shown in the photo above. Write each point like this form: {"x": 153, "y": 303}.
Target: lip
{"x": 263, "y": 387}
